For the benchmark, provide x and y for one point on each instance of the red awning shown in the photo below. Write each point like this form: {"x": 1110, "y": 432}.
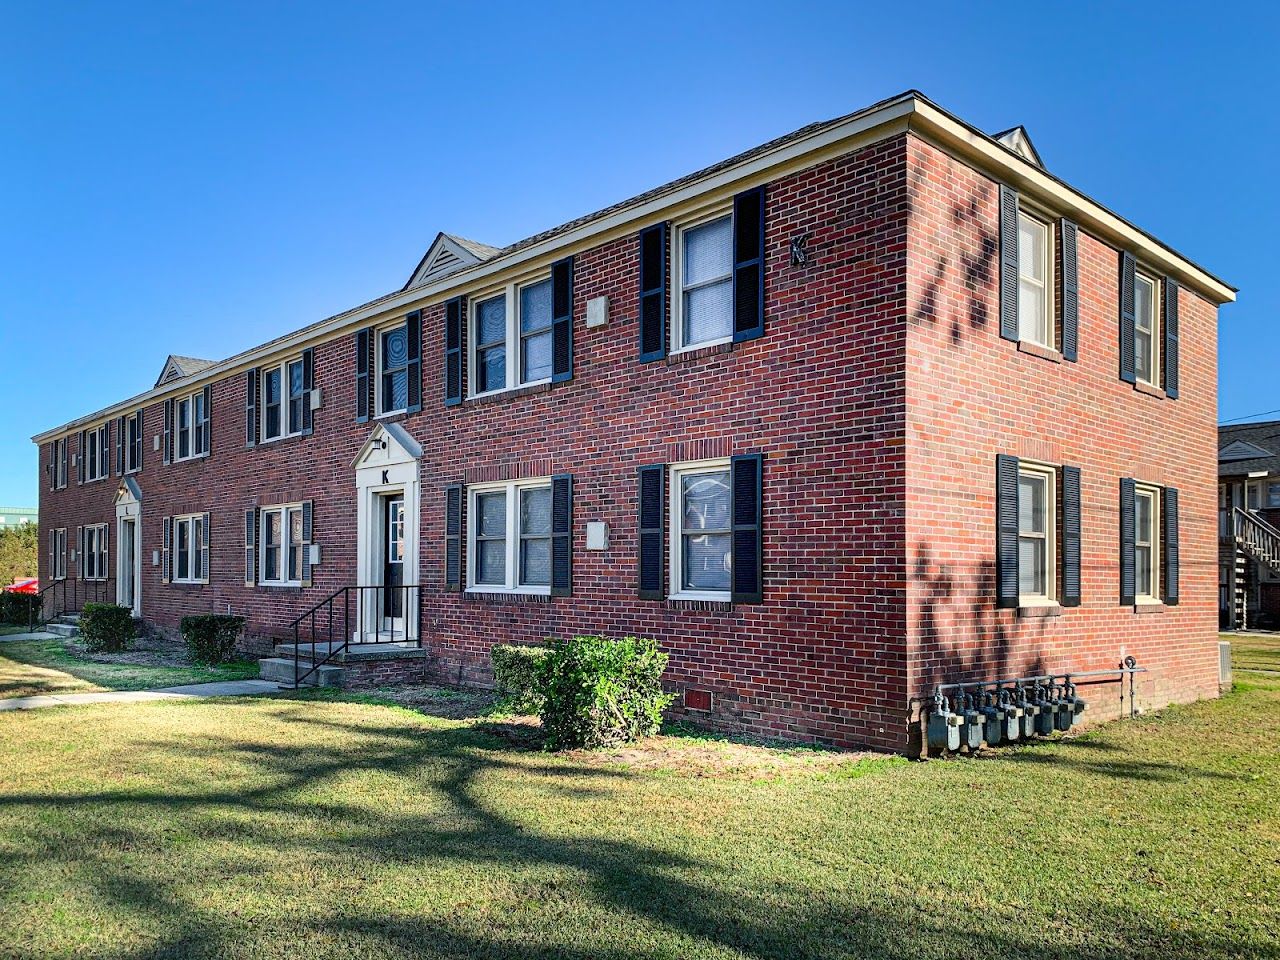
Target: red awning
{"x": 25, "y": 585}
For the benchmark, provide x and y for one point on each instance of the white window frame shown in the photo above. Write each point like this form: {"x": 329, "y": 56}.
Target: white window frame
{"x": 1049, "y": 475}
{"x": 513, "y": 342}
{"x": 97, "y": 533}
{"x": 512, "y": 488}
{"x": 190, "y": 400}
{"x": 377, "y": 369}
{"x": 677, "y": 279}
{"x": 189, "y": 520}
{"x": 287, "y": 546}
{"x": 286, "y": 400}
{"x": 1142, "y": 276}
{"x": 60, "y": 464}
{"x": 1273, "y": 487}
{"x": 1050, "y": 248}
{"x": 60, "y": 553}
{"x": 675, "y": 473}
{"x": 98, "y": 440}
{"x": 132, "y": 441}
{"x": 1147, "y": 490}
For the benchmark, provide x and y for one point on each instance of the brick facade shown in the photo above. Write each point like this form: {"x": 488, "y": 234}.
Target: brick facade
{"x": 879, "y": 397}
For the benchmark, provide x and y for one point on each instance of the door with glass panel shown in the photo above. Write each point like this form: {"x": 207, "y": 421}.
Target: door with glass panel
{"x": 393, "y": 599}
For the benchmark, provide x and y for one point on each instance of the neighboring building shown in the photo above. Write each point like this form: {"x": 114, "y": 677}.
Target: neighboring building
{"x": 880, "y": 404}
{"x": 17, "y": 516}
{"x": 1248, "y": 522}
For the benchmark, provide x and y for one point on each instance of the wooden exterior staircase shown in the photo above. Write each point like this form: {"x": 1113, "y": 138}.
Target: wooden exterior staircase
{"x": 1258, "y": 541}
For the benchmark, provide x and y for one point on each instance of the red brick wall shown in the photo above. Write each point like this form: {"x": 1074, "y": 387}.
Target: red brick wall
{"x": 972, "y": 395}
{"x": 821, "y": 395}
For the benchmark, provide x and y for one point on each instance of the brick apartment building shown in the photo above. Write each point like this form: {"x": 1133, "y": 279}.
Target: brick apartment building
{"x": 880, "y": 404}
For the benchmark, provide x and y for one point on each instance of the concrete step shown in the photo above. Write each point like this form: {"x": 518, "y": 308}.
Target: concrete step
{"x": 63, "y": 629}
{"x": 280, "y": 670}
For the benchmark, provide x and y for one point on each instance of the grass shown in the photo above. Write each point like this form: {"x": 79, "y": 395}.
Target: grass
{"x": 1254, "y": 651}
{"x": 9, "y": 630}
{"x": 33, "y": 667}
{"x": 313, "y": 826}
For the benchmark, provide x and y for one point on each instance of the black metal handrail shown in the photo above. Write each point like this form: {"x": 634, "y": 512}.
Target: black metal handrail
{"x": 44, "y": 610}
{"x": 319, "y": 622}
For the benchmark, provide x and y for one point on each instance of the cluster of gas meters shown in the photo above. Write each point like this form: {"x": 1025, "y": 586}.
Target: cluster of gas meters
{"x": 996, "y": 713}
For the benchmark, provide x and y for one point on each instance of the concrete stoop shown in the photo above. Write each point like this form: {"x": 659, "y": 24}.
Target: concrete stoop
{"x": 67, "y": 625}
{"x": 348, "y": 667}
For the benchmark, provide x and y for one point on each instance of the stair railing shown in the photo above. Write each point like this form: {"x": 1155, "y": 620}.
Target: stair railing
{"x": 66, "y": 596}
{"x": 1256, "y": 537}
{"x": 334, "y": 613}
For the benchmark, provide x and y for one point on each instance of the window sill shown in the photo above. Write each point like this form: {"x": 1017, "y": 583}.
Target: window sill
{"x": 1149, "y": 606}
{"x": 701, "y": 351}
{"x": 474, "y": 595}
{"x": 177, "y": 460}
{"x": 1034, "y": 349}
{"x": 705, "y": 601}
{"x": 510, "y": 393}
{"x": 389, "y": 415}
{"x": 1037, "y": 609}
{"x": 188, "y": 583}
{"x": 279, "y": 585}
{"x": 1149, "y": 390}
{"x": 280, "y": 439}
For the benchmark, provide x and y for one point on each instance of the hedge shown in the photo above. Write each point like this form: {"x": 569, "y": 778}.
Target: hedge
{"x": 211, "y": 638}
{"x": 106, "y": 627}
{"x": 517, "y": 676}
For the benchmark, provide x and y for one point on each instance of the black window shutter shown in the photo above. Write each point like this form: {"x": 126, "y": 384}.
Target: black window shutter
{"x": 1006, "y": 531}
{"x": 251, "y": 407}
{"x": 120, "y": 430}
{"x": 748, "y": 265}
{"x": 80, "y": 567}
{"x": 250, "y": 546}
{"x": 166, "y": 445}
{"x": 653, "y": 293}
{"x": 66, "y": 456}
{"x": 80, "y": 459}
{"x": 1069, "y": 289}
{"x": 1171, "y": 337}
{"x": 561, "y": 535}
{"x": 1008, "y": 263}
{"x": 204, "y": 548}
{"x": 206, "y": 432}
{"x": 307, "y": 521}
{"x": 651, "y": 494}
{"x": 562, "y": 320}
{"x": 454, "y": 328}
{"x": 166, "y": 541}
{"x": 364, "y": 382}
{"x": 747, "y": 509}
{"x": 137, "y": 440}
{"x": 1170, "y": 546}
{"x": 1070, "y": 514}
{"x": 453, "y": 537}
{"x": 1128, "y": 582}
{"x": 413, "y": 333}
{"x": 1128, "y": 266}
{"x": 308, "y": 385}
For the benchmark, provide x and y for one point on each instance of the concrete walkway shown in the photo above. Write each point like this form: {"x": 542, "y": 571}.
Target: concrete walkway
{"x": 38, "y": 635}
{"x": 226, "y": 688}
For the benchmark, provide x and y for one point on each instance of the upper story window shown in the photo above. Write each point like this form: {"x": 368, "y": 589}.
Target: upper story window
{"x": 703, "y": 283}
{"x": 1146, "y": 328}
{"x": 509, "y": 537}
{"x": 393, "y": 369}
{"x": 1037, "y": 525}
{"x": 1035, "y": 280}
{"x": 1146, "y": 543}
{"x": 701, "y": 531}
{"x": 59, "y": 465}
{"x": 283, "y": 396}
{"x": 94, "y": 453}
{"x": 281, "y": 536}
{"x": 132, "y": 427}
{"x": 511, "y": 338}
{"x": 189, "y": 431}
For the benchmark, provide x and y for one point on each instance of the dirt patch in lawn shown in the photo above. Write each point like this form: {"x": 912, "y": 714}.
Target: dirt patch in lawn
{"x": 148, "y": 651}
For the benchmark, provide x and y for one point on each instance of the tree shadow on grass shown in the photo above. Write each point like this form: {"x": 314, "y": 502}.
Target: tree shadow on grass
{"x": 587, "y": 894}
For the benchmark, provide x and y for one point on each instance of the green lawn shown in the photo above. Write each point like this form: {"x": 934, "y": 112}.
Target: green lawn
{"x": 33, "y": 667}
{"x": 1252, "y": 651}
{"x": 308, "y": 826}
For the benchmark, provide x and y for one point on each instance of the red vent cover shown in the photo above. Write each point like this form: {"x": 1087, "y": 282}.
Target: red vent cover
{"x": 698, "y": 700}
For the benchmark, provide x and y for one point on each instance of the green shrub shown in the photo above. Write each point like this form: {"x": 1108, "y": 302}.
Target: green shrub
{"x": 19, "y": 608}
{"x": 211, "y": 638}
{"x": 107, "y": 628}
{"x": 517, "y": 676}
{"x": 601, "y": 691}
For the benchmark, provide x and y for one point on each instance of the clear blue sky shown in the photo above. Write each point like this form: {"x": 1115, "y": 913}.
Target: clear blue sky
{"x": 199, "y": 178}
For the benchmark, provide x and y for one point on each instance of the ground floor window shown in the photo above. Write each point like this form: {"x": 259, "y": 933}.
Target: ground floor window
{"x": 509, "y": 536}
{"x": 701, "y": 530}
{"x": 93, "y": 558}
{"x": 58, "y": 562}
{"x": 1036, "y": 528}
{"x": 190, "y": 549}
{"x": 281, "y": 561}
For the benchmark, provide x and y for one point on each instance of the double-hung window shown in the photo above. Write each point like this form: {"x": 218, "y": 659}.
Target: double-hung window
{"x": 60, "y": 553}
{"x": 281, "y": 536}
{"x": 1146, "y": 328}
{"x": 133, "y": 443}
{"x": 511, "y": 337}
{"x": 93, "y": 561}
{"x": 701, "y": 530}
{"x": 1035, "y": 280}
{"x": 509, "y": 537}
{"x": 190, "y": 427}
{"x": 393, "y": 369}
{"x": 60, "y": 465}
{"x": 96, "y": 455}
{"x": 704, "y": 283}
{"x": 1146, "y": 543}
{"x": 1037, "y": 524}
{"x": 189, "y": 549}
{"x": 282, "y": 400}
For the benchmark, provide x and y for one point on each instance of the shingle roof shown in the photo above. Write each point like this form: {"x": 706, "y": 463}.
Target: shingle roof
{"x": 1265, "y": 435}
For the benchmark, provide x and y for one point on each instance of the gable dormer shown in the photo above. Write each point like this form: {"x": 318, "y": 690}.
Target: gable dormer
{"x": 1242, "y": 450}
{"x": 176, "y": 367}
{"x": 448, "y": 254}
{"x": 1019, "y": 141}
